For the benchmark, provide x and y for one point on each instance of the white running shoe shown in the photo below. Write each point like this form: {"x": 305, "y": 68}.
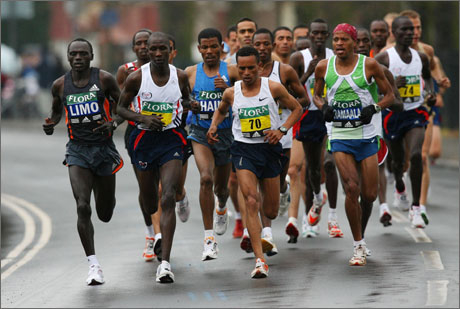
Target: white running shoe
{"x": 401, "y": 200}
{"x": 164, "y": 273}
{"x": 304, "y": 225}
{"x": 157, "y": 248}
{"x": 415, "y": 217}
{"x": 291, "y": 230}
{"x": 359, "y": 256}
{"x": 261, "y": 270}
{"x": 311, "y": 231}
{"x": 149, "y": 254}
{"x": 268, "y": 246}
{"x": 95, "y": 276}
{"x": 183, "y": 209}
{"x": 210, "y": 249}
{"x": 220, "y": 221}
{"x": 385, "y": 215}
{"x": 285, "y": 198}
{"x": 333, "y": 229}
{"x": 368, "y": 251}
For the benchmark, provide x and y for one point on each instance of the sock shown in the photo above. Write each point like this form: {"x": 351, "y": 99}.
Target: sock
{"x": 149, "y": 231}
{"x": 208, "y": 233}
{"x": 422, "y": 208}
{"x": 158, "y": 236}
{"x": 267, "y": 232}
{"x": 245, "y": 232}
{"x": 319, "y": 196}
{"x": 221, "y": 208}
{"x": 415, "y": 207}
{"x": 92, "y": 260}
{"x": 166, "y": 264}
{"x": 292, "y": 220}
{"x": 237, "y": 216}
{"x": 332, "y": 216}
{"x": 359, "y": 242}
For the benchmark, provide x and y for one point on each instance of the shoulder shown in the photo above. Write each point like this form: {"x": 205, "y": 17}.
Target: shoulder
{"x": 105, "y": 75}
{"x": 274, "y": 85}
{"x": 58, "y": 84}
{"x": 287, "y": 70}
{"x": 296, "y": 56}
{"x": 190, "y": 70}
{"x": 182, "y": 75}
{"x": 229, "y": 92}
{"x": 429, "y": 50}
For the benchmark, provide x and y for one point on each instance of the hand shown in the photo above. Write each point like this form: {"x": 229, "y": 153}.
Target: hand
{"x": 212, "y": 136}
{"x": 273, "y": 136}
{"x": 430, "y": 99}
{"x": 105, "y": 126}
{"x": 328, "y": 112}
{"x": 195, "y": 107}
{"x": 367, "y": 113}
{"x": 400, "y": 81}
{"x": 312, "y": 66}
{"x": 153, "y": 122}
{"x": 48, "y": 126}
{"x": 444, "y": 82}
{"x": 219, "y": 82}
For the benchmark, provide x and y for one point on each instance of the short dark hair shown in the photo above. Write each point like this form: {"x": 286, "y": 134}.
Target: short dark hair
{"x": 230, "y": 30}
{"x": 210, "y": 33}
{"x": 378, "y": 21}
{"x": 173, "y": 40}
{"x": 397, "y": 20}
{"x": 362, "y": 29}
{"x": 139, "y": 31}
{"x": 281, "y": 28}
{"x": 300, "y": 26}
{"x": 81, "y": 40}
{"x": 263, "y": 30}
{"x": 247, "y": 51}
{"x": 245, "y": 19}
{"x": 318, "y": 20}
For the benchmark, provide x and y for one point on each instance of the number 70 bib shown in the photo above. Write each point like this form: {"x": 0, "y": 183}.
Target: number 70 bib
{"x": 254, "y": 120}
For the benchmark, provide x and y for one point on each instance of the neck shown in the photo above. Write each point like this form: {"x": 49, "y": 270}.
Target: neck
{"x": 80, "y": 75}
{"x": 141, "y": 62}
{"x": 319, "y": 51}
{"x": 161, "y": 68}
{"x": 401, "y": 48}
{"x": 348, "y": 60}
{"x": 256, "y": 84}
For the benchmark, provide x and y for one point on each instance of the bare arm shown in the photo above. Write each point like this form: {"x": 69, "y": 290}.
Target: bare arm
{"x": 397, "y": 105}
{"x": 318, "y": 89}
{"x": 56, "y": 106}
{"x": 296, "y": 62}
{"x": 426, "y": 74}
{"x": 219, "y": 115}
{"x": 122, "y": 74}
{"x": 373, "y": 69}
{"x": 293, "y": 83}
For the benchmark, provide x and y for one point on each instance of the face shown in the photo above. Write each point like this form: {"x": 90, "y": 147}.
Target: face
{"x": 302, "y": 43}
{"x": 262, "y": 42}
{"x": 248, "y": 69}
{"x": 210, "y": 51}
{"x": 232, "y": 42}
{"x": 363, "y": 43}
{"x": 342, "y": 44}
{"x": 319, "y": 34}
{"x": 283, "y": 42}
{"x": 140, "y": 45}
{"x": 159, "y": 50}
{"x": 172, "y": 53}
{"x": 417, "y": 30}
{"x": 379, "y": 33}
{"x": 245, "y": 31}
{"x": 300, "y": 32}
{"x": 404, "y": 32}
{"x": 79, "y": 56}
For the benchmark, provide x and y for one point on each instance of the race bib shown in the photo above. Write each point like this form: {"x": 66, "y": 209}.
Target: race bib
{"x": 312, "y": 88}
{"x": 411, "y": 92}
{"x": 162, "y": 109}
{"x": 254, "y": 121}
{"x": 82, "y": 104}
{"x": 346, "y": 113}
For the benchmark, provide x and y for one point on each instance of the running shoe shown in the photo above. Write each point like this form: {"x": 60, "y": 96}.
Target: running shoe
{"x": 359, "y": 256}
{"x": 149, "y": 254}
{"x": 401, "y": 200}
{"x": 311, "y": 231}
{"x": 304, "y": 225}
{"x": 285, "y": 198}
{"x": 314, "y": 215}
{"x": 95, "y": 276}
{"x": 261, "y": 269}
{"x": 385, "y": 215}
{"x": 220, "y": 221}
{"x": 183, "y": 209}
{"x": 268, "y": 246}
{"x": 238, "y": 230}
{"x": 210, "y": 249}
{"x": 245, "y": 244}
{"x": 390, "y": 177}
{"x": 164, "y": 273}
{"x": 292, "y": 231}
{"x": 424, "y": 214}
{"x": 333, "y": 230}
{"x": 368, "y": 251}
{"x": 157, "y": 248}
{"x": 415, "y": 217}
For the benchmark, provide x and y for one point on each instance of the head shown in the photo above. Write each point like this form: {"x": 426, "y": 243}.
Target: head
{"x": 299, "y": 30}
{"x": 363, "y": 42}
{"x": 283, "y": 41}
{"x": 263, "y": 43}
{"x": 172, "y": 48}
{"x": 231, "y": 39}
{"x": 159, "y": 48}
{"x": 80, "y": 54}
{"x": 245, "y": 29}
{"x": 139, "y": 47}
{"x": 319, "y": 33}
{"x": 210, "y": 46}
{"x": 379, "y": 33}
{"x": 417, "y": 22}
{"x": 403, "y": 31}
{"x": 344, "y": 40}
{"x": 388, "y": 18}
{"x": 303, "y": 42}
{"x": 247, "y": 60}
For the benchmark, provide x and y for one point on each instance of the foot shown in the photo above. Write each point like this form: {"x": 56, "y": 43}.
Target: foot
{"x": 359, "y": 256}
{"x": 401, "y": 200}
{"x": 314, "y": 215}
{"x": 415, "y": 217}
{"x": 245, "y": 244}
{"x": 95, "y": 276}
{"x": 261, "y": 269}
{"x": 268, "y": 246}
{"x": 157, "y": 248}
{"x": 183, "y": 209}
{"x": 385, "y": 215}
{"x": 424, "y": 214}
{"x": 292, "y": 231}
{"x": 238, "y": 230}
{"x": 311, "y": 231}
{"x": 164, "y": 273}
{"x": 210, "y": 249}
{"x": 220, "y": 221}
{"x": 149, "y": 254}
{"x": 333, "y": 229}
{"x": 285, "y": 198}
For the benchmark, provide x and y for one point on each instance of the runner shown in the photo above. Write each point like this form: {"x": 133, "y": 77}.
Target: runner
{"x": 157, "y": 143}
{"x": 388, "y": 18}
{"x": 404, "y": 132}
{"x": 379, "y": 36}
{"x": 353, "y": 112}
{"x": 84, "y": 93}
{"x": 302, "y": 42}
{"x": 208, "y": 81}
{"x": 245, "y": 29}
{"x": 282, "y": 45}
{"x": 256, "y": 152}
{"x": 231, "y": 40}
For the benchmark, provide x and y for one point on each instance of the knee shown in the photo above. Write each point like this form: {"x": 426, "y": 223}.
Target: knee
{"x": 329, "y": 167}
{"x": 352, "y": 189}
{"x": 370, "y": 196}
{"x": 206, "y": 181}
{"x": 83, "y": 210}
{"x": 271, "y": 214}
{"x": 168, "y": 200}
{"x": 435, "y": 154}
{"x": 416, "y": 157}
{"x": 251, "y": 203}
{"x": 293, "y": 171}
{"x": 105, "y": 217}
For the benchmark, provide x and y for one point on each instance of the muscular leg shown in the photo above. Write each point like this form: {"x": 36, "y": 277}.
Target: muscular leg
{"x": 436, "y": 143}
{"x": 332, "y": 180}
{"x": 369, "y": 185}
{"x": 221, "y": 176}
{"x": 145, "y": 214}
{"x": 283, "y": 183}
{"x": 414, "y": 138}
{"x": 397, "y": 163}
{"x": 271, "y": 197}
{"x": 233, "y": 190}
{"x": 180, "y": 194}
{"x": 295, "y": 165}
{"x": 426, "y": 162}
{"x": 382, "y": 184}
{"x": 104, "y": 195}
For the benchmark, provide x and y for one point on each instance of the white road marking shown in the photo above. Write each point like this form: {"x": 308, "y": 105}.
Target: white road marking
{"x": 432, "y": 260}
{"x": 45, "y": 235}
{"x": 418, "y": 234}
{"x": 436, "y": 292}
{"x": 398, "y": 216}
{"x": 29, "y": 231}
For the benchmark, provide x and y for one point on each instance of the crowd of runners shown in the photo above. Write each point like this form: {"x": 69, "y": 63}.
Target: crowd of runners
{"x": 271, "y": 117}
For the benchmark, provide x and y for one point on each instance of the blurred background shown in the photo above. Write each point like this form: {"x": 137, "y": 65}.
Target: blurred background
{"x": 35, "y": 35}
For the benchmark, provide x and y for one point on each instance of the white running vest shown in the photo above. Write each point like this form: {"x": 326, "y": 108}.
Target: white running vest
{"x": 163, "y": 101}
{"x": 310, "y": 82}
{"x": 275, "y": 75}
{"x": 412, "y": 93}
{"x": 254, "y": 115}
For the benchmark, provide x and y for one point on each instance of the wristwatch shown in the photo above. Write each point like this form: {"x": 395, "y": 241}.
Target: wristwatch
{"x": 283, "y": 130}
{"x": 114, "y": 124}
{"x": 377, "y": 108}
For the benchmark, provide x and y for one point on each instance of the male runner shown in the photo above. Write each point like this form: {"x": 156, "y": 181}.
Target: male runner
{"x": 231, "y": 40}
{"x": 379, "y": 36}
{"x": 256, "y": 151}
{"x": 388, "y": 18}
{"x": 157, "y": 143}
{"x": 245, "y": 29}
{"x": 351, "y": 81}
{"x": 84, "y": 93}
{"x": 404, "y": 132}
{"x": 282, "y": 45}
{"x": 208, "y": 80}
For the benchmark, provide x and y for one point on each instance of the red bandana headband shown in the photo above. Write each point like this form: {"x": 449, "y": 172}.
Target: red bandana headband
{"x": 347, "y": 28}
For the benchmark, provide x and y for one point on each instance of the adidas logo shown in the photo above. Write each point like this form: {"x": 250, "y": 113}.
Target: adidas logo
{"x": 86, "y": 120}
{"x": 94, "y": 88}
{"x": 348, "y": 125}
{"x": 176, "y": 154}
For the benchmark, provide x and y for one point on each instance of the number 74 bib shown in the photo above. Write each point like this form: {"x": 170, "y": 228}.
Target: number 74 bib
{"x": 254, "y": 120}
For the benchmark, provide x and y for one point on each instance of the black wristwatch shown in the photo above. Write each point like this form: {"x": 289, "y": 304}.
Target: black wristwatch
{"x": 283, "y": 130}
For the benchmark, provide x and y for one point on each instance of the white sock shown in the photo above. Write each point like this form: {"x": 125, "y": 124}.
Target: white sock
{"x": 359, "y": 242}
{"x": 237, "y": 216}
{"x": 332, "y": 214}
{"x": 166, "y": 264}
{"x": 267, "y": 232}
{"x": 158, "y": 236}
{"x": 92, "y": 260}
{"x": 208, "y": 233}
{"x": 292, "y": 220}
{"x": 319, "y": 196}
{"x": 422, "y": 208}
{"x": 245, "y": 232}
{"x": 149, "y": 231}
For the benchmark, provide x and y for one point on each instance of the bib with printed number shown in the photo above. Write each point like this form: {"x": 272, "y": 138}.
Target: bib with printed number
{"x": 165, "y": 110}
{"x": 347, "y": 105}
{"x": 411, "y": 92}
{"x": 254, "y": 120}
{"x": 312, "y": 88}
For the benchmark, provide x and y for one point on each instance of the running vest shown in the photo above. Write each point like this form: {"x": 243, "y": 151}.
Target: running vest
{"x": 162, "y": 101}
{"x": 310, "y": 82}
{"x": 131, "y": 67}
{"x": 348, "y": 95}
{"x": 412, "y": 93}
{"x": 209, "y": 97}
{"x": 254, "y": 115}
{"x": 84, "y": 107}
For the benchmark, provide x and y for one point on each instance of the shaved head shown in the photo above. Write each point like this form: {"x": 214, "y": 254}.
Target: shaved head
{"x": 159, "y": 36}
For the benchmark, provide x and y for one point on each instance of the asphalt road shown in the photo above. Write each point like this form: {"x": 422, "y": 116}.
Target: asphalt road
{"x": 43, "y": 263}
